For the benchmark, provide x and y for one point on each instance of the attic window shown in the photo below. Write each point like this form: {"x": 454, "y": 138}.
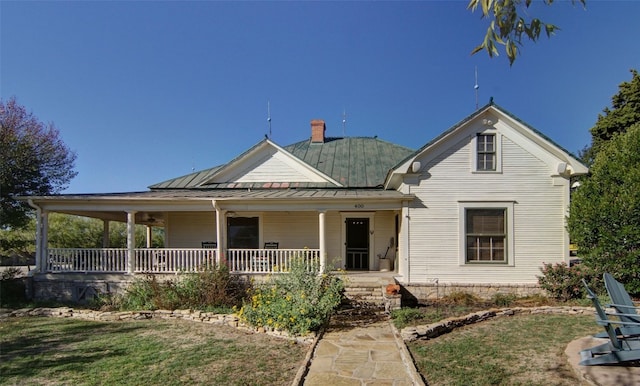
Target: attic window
{"x": 487, "y": 152}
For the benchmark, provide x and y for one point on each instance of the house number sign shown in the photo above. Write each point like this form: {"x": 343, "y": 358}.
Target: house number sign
{"x": 359, "y": 206}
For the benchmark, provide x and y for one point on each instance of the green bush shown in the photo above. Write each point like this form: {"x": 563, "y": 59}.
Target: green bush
{"x": 565, "y": 283}
{"x": 404, "y": 316}
{"x": 208, "y": 290}
{"x": 298, "y": 301}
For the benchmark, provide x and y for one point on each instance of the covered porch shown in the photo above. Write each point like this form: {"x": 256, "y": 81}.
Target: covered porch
{"x": 251, "y": 232}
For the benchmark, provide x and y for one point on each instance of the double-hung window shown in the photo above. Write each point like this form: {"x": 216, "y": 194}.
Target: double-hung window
{"x": 486, "y": 152}
{"x": 486, "y": 230}
{"x": 486, "y": 235}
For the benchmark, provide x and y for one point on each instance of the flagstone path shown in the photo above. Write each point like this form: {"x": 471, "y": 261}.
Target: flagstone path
{"x": 361, "y": 347}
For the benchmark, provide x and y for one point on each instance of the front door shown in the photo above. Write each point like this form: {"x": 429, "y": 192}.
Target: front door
{"x": 357, "y": 243}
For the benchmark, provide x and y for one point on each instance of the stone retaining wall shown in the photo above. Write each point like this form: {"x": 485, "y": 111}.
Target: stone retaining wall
{"x": 230, "y": 320}
{"x": 434, "y": 330}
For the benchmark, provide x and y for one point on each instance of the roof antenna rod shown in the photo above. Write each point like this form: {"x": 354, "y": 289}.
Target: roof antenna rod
{"x": 344, "y": 121}
{"x": 476, "y": 87}
{"x": 269, "y": 116}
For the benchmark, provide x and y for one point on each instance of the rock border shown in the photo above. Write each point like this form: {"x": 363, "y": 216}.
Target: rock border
{"x": 434, "y": 330}
{"x": 230, "y": 320}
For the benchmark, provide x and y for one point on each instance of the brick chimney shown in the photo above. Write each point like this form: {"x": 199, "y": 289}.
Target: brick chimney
{"x": 317, "y": 131}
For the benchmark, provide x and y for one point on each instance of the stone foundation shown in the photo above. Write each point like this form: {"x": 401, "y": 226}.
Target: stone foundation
{"x": 77, "y": 288}
{"x": 82, "y": 288}
{"x": 421, "y": 293}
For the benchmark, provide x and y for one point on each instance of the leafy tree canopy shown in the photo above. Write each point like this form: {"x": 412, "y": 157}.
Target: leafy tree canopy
{"x": 34, "y": 161}
{"x": 624, "y": 112}
{"x": 67, "y": 231}
{"x": 510, "y": 26}
{"x": 605, "y": 210}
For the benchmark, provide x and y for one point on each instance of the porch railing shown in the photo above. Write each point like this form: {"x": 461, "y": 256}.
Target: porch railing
{"x": 174, "y": 260}
{"x": 171, "y": 260}
{"x": 270, "y": 260}
{"x": 87, "y": 260}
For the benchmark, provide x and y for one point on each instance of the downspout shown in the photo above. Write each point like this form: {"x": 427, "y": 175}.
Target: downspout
{"x": 408, "y": 239}
{"x": 39, "y": 257}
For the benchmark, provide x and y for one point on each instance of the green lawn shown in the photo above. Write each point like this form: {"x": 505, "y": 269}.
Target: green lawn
{"x": 47, "y": 351}
{"x": 517, "y": 350}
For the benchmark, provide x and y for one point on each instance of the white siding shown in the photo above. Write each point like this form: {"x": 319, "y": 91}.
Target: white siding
{"x": 291, "y": 229}
{"x": 539, "y": 209}
{"x": 385, "y": 230}
{"x": 270, "y": 165}
{"x": 190, "y": 229}
{"x": 335, "y": 248}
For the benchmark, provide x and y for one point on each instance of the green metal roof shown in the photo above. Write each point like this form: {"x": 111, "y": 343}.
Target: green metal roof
{"x": 355, "y": 162}
{"x": 188, "y": 181}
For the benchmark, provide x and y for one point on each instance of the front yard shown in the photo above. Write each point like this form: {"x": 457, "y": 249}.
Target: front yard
{"x": 517, "y": 350}
{"x": 53, "y": 351}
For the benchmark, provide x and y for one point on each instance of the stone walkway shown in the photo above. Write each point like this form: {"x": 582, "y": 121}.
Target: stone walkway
{"x": 361, "y": 347}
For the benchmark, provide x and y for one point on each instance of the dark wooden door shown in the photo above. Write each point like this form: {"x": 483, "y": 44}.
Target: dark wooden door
{"x": 357, "y": 245}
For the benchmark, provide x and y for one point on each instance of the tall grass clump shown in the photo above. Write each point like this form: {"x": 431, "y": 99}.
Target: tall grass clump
{"x": 298, "y": 301}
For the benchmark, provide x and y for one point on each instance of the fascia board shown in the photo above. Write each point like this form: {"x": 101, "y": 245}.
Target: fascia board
{"x": 123, "y": 205}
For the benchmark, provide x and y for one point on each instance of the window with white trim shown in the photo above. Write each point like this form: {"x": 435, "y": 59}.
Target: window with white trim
{"x": 486, "y": 233}
{"x": 486, "y": 152}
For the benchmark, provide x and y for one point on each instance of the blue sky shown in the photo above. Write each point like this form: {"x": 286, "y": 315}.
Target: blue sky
{"x": 146, "y": 91}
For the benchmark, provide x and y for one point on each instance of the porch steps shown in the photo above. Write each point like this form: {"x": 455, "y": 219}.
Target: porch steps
{"x": 366, "y": 290}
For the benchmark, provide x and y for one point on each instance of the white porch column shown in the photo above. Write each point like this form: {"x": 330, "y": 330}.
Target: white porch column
{"x": 322, "y": 241}
{"x": 38, "y": 250}
{"x": 44, "y": 241}
{"x": 221, "y": 220}
{"x": 149, "y": 235}
{"x": 131, "y": 240}
{"x": 105, "y": 233}
{"x": 403, "y": 247}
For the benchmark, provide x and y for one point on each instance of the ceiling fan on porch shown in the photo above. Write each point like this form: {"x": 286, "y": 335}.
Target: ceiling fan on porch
{"x": 151, "y": 219}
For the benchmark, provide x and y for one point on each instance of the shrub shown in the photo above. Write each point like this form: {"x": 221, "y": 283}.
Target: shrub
{"x": 565, "y": 283}
{"x": 207, "y": 290}
{"x": 298, "y": 301}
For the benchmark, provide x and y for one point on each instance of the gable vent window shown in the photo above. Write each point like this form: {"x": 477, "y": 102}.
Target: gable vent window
{"x": 486, "y": 152}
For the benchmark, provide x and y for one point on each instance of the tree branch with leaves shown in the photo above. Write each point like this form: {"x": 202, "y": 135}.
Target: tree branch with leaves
{"x": 509, "y": 27}
{"x": 34, "y": 161}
